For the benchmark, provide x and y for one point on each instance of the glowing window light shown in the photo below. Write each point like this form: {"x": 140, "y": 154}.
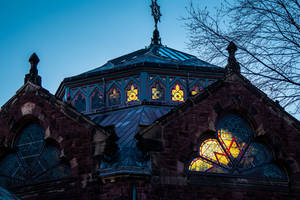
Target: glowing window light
{"x": 177, "y": 94}
{"x": 132, "y": 94}
{"x": 234, "y": 152}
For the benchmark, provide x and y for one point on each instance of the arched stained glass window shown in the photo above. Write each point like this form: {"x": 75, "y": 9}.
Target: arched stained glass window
{"x": 234, "y": 152}
{"x": 132, "y": 93}
{"x": 177, "y": 93}
{"x": 157, "y": 91}
{"x": 195, "y": 89}
{"x": 33, "y": 160}
{"x": 79, "y": 102}
{"x": 96, "y": 99}
{"x": 114, "y": 96}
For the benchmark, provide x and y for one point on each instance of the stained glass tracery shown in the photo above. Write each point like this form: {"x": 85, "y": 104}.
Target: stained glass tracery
{"x": 157, "y": 91}
{"x": 132, "y": 93}
{"x": 79, "y": 102}
{"x": 114, "y": 96}
{"x": 33, "y": 161}
{"x": 177, "y": 93}
{"x": 195, "y": 89}
{"x": 234, "y": 152}
{"x": 96, "y": 99}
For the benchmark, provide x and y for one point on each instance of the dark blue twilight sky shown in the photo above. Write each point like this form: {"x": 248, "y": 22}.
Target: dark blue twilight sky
{"x": 73, "y": 36}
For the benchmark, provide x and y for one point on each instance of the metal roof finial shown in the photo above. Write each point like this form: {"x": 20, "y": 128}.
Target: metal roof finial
{"x": 156, "y": 15}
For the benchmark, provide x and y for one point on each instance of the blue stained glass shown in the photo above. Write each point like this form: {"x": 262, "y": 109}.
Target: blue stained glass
{"x": 96, "y": 99}
{"x": 237, "y": 127}
{"x": 272, "y": 171}
{"x": 235, "y": 150}
{"x": 50, "y": 157}
{"x": 31, "y": 161}
{"x": 255, "y": 156}
{"x": 80, "y": 102}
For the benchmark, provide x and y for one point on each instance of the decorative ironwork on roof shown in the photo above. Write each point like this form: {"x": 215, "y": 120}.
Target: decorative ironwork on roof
{"x": 156, "y": 15}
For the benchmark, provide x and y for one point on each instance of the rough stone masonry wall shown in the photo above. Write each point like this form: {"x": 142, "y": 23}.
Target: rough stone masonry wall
{"x": 182, "y": 132}
{"x": 73, "y": 138}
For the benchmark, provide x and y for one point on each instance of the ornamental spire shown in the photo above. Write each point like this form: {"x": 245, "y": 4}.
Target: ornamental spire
{"x": 232, "y": 65}
{"x": 156, "y": 15}
{"x": 33, "y": 76}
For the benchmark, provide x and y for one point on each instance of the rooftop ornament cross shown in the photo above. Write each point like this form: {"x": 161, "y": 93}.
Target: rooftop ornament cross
{"x": 156, "y": 15}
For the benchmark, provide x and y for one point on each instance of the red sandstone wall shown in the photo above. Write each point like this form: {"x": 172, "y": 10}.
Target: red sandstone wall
{"x": 182, "y": 132}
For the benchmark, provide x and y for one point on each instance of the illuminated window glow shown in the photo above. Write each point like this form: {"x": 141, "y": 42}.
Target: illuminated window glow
{"x": 234, "y": 152}
{"x": 132, "y": 94}
{"x": 114, "y": 96}
{"x": 195, "y": 89}
{"x": 177, "y": 94}
{"x": 157, "y": 92}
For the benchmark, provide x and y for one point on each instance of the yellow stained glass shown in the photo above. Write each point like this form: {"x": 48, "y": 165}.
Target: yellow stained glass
{"x": 211, "y": 150}
{"x": 199, "y": 165}
{"x": 229, "y": 142}
{"x": 114, "y": 94}
{"x": 195, "y": 91}
{"x": 156, "y": 93}
{"x": 132, "y": 94}
{"x": 177, "y": 94}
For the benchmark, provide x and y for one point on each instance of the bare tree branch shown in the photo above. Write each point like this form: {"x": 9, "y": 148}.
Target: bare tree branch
{"x": 267, "y": 33}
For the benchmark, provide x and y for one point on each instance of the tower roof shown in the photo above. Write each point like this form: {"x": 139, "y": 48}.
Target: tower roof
{"x": 156, "y": 55}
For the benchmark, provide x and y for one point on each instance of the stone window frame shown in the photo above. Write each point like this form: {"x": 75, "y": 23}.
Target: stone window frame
{"x": 235, "y": 181}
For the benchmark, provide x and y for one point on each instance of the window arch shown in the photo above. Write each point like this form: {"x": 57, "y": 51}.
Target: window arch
{"x": 132, "y": 92}
{"x": 32, "y": 161}
{"x": 96, "y": 99}
{"x": 114, "y": 96}
{"x": 233, "y": 151}
{"x": 195, "y": 89}
{"x": 79, "y": 102}
{"x": 177, "y": 92}
{"x": 157, "y": 91}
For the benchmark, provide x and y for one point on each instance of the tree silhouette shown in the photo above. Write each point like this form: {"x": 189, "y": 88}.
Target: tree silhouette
{"x": 267, "y": 33}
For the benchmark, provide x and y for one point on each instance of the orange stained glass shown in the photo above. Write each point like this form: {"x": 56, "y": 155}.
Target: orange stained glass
{"x": 229, "y": 143}
{"x": 211, "y": 150}
{"x": 177, "y": 94}
{"x": 132, "y": 94}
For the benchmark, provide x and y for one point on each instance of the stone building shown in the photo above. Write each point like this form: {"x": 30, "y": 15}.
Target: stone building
{"x": 157, "y": 123}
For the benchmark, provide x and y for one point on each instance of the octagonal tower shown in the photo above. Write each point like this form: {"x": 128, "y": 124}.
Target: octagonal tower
{"x": 136, "y": 89}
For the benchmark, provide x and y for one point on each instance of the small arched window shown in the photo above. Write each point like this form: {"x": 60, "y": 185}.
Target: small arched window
{"x": 177, "y": 93}
{"x": 32, "y": 161}
{"x": 114, "y": 96}
{"x": 132, "y": 93}
{"x": 157, "y": 91}
{"x": 96, "y": 99}
{"x": 79, "y": 102}
{"x": 233, "y": 151}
